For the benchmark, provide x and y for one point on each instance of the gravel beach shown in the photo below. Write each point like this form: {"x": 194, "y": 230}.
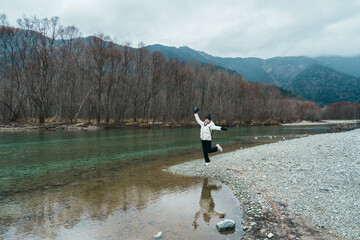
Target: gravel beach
{"x": 306, "y": 188}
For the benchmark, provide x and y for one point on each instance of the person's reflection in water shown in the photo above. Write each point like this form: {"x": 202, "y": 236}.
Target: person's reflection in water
{"x": 206, "y": 203}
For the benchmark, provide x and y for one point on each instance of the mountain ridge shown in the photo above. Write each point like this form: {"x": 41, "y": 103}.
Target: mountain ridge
{"x": 336, "y": 62}
{"x": 284, "y": 71}
{"x": 325, "y": 85}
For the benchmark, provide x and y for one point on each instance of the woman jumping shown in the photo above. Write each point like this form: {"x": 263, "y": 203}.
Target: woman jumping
{"x": 205, "y": 135}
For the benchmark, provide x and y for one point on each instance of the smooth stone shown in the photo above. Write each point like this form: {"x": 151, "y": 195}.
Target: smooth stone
{"x": 224, "y": 225}
{"x": 245, "y": 228}
{"x": 270, "y": 235}
{"x": 158, "y": 235}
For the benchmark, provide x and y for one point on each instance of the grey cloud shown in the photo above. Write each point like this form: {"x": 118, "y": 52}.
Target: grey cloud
{"x": 258, "y": 28}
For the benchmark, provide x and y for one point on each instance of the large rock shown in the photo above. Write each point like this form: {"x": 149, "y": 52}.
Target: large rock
{"x": 224, "y": 225}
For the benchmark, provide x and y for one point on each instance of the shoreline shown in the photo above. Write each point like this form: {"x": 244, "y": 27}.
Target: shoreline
{"x": 304, "y": 188}
{"x": 81, "y": 126}
{"x": 322, "y": 122}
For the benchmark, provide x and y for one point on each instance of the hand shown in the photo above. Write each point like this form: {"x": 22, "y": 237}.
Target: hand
{"x": 196, "y": 110}
{"x": 223, "y": 129}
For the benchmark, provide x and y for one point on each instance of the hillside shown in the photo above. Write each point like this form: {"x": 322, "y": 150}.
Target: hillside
{"x": 286, "y": 71}
{"x": 348, "y": 65}
{"x": 250, "y": 68}
{"x": 324, "y": 85}
{"x": 277, "y": 70}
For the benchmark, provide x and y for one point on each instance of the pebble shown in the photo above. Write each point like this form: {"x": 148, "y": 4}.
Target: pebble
{"x": 245, "y": 228}
{"x": 158, "y": 235}
{"x": 220, "y": 214}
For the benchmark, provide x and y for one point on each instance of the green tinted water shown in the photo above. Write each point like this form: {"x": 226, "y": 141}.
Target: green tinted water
{"x": 66, "y": 185}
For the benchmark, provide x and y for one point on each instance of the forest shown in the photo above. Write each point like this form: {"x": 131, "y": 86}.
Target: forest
{"x": 50, "y": 73}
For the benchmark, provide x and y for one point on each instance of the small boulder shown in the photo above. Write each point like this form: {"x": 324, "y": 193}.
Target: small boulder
{"x": 224, "y": 225}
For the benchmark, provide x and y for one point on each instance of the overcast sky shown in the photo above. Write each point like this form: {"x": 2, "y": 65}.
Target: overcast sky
{"x": 231, "y": 28}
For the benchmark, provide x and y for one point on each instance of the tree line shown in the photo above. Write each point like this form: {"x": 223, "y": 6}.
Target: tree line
{"x": 342, "y": 110}
{"x": 50, "y": 72}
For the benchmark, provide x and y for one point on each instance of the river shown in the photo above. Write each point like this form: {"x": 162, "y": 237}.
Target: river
{"x": 111, "y": 184}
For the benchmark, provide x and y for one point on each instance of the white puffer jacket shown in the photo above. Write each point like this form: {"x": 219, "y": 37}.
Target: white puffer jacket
{"x": 205, "y": 132}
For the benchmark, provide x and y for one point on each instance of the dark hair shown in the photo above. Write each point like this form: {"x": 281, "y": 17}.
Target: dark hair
{"x": 208, "y": 117}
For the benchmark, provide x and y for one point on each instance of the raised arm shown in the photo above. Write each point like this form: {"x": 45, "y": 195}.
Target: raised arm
{"x": 197, "y": 116}
{"x": 198, "y": 119}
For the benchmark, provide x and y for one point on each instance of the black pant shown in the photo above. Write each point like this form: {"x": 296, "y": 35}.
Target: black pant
{"x": 206, "y": 146}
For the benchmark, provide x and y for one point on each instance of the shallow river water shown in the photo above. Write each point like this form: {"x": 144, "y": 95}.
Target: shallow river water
{"x": 110, "y": 184}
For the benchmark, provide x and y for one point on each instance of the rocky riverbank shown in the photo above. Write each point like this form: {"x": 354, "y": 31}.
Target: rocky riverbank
{"x": 322, "y": 122}
{"x": 21, "y": 127}
{"x": 58, "y": 126}
{"x": 339, "y": 125}
{"x": 305, "y": 188}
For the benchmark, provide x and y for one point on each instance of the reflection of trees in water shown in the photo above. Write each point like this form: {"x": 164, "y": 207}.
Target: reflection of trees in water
{"x": 44, "y": 212}
{"x": 207, "y": 204}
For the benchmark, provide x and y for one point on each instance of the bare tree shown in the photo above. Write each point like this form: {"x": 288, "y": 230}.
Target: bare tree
{"x": 98, "y": 53}
{"x": 141, "y": 80}
{"x": 42, "y": 62}
{"x": 70, "y": 64}
{"x": 13, "y": 92}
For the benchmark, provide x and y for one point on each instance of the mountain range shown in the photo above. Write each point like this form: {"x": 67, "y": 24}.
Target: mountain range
{"x": 325, "y": 79}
